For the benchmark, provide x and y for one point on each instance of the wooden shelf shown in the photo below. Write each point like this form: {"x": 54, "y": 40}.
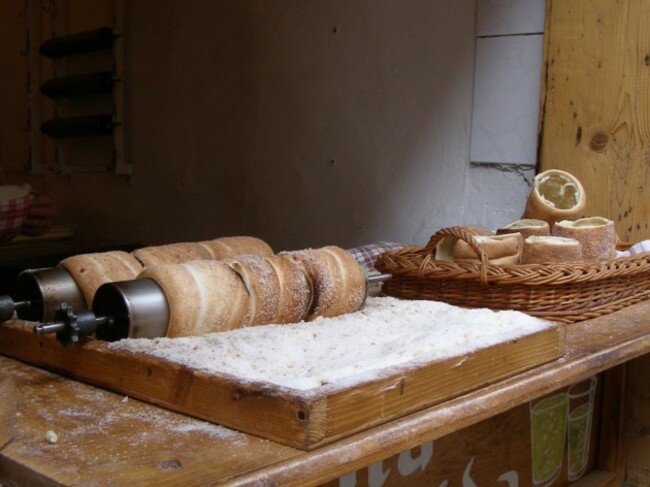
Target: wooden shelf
{"x": 147, "y": 443}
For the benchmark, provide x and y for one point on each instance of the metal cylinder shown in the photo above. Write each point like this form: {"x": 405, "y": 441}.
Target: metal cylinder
{"x": 79, "y": 43}
{"x": 137, "y": 309}
{"x": 45, "y": 289}
{"x": 6, "y": 308}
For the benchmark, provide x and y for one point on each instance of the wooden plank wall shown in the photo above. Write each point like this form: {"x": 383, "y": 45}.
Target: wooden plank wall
{"x": 595, "y": 123}
{"x": 594, "y": 115}
{"x": 14, "y": 97}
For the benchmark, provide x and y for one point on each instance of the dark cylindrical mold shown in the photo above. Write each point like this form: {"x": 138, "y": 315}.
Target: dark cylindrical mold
{"x": 79, "y": 43}
{"x": 83, "y": 84}
{"x": 137, "y": 309}
{"x": 45, "y": 289}
{"x": 88, "y": 126}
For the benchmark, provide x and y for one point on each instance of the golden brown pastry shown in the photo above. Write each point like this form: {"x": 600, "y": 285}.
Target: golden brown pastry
{"x": 203, "y": 296}
{"x": 446, "y": 246}
{"x": 90, "y": 271}
{"x": 279, "y": 289}
{"x": 596, "y": 235}
{"x": 540, "y": 250}
{"x": 175, "y": 253}
{"x": 502, "y": 249}
{"x": 338, "y": 279}
{"x": 556, "y": 195}
{"x": 231, "y": 247}
{"x": 527, "y": 227}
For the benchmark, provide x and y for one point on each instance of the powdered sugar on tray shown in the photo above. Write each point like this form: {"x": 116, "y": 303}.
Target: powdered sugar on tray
{"x": 386, "y": 333}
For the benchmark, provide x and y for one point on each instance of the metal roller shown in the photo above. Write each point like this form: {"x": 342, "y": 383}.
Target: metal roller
{"x": 127, "y": 309}
{"x": 38, "y": 293}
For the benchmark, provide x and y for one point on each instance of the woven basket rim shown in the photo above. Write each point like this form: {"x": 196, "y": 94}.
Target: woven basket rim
{"x": 411, "y": 261}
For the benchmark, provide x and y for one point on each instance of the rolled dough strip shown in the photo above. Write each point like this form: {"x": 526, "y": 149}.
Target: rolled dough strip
{"x": 231, "y": 247}
{"x": 446, "y": 247}
{"x": 296, "y": 289}
{"x": 556, "y": 195}
{"x": 175, "y": 253}
{"x": 263, "y": 286}
{"x": 279, "y": 289}
{"x": 90, "y": 271}
{"x": 339, "y": 280}
{"x": 540, "y": 250}
{"x": 596, "y": 235}
{"x": 203, "y": 296}
{"x": 499, "y": 249}
{"x": 527, "y": 227}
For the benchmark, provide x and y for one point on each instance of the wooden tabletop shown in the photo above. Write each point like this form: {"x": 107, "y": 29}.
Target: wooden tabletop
{"x": 108, "y": 439}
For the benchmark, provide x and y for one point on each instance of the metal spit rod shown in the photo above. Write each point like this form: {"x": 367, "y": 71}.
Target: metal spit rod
{"x": 127, "y": 309}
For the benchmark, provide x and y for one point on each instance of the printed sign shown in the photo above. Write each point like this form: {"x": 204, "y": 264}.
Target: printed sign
{"x": 546, "y": 443}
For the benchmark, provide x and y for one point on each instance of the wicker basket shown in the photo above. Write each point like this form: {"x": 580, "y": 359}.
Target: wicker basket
{"x": 564, "y": 292}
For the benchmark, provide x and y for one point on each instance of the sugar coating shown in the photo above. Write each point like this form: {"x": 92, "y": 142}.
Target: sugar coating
{"x": 344, "y": 350}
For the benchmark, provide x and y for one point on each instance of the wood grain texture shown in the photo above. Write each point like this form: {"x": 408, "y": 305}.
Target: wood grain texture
{"x": 303, "y": 419}
{"x": 7, "y": 410}
{"x": 111, "y": 439}
{"x": 611, "y": 446}
{"x": 595, "y": 121}
{"x": 637, "y": 427}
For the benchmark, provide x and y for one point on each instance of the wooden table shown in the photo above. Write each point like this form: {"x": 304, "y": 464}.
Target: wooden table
{"x": 108, "y": 439}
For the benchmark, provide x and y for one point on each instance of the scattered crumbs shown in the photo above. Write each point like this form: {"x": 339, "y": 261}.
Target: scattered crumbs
{"x": 125, "y": 399}
{"x": 345, "y": 350}
{"x": 51, "y": 436}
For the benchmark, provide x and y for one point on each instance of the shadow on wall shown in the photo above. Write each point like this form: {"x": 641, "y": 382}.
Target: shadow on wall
{"x": 358, "y": 121}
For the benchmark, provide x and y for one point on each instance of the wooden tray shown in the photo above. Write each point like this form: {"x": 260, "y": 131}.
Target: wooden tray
{"x": 301, "y": 419}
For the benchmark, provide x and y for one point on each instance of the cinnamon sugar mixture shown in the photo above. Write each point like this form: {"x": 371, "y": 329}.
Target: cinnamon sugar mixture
{"x": 387, "y": 333}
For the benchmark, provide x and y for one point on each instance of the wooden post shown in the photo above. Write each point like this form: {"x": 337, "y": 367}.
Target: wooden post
{"x": 595, "y": 121}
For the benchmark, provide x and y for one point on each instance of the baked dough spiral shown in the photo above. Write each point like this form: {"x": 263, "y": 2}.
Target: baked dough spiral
{"x": 89, "y": 271}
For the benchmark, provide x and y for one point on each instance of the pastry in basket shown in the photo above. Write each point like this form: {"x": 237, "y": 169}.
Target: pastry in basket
{"x": 597, "y": 236}
{"x": 527, "y": 227}
{"x": 556, "y": 195}
{"x": 541, "y": 250}
{"x": 446, "y": 246}
{"x": 502, "y": 249}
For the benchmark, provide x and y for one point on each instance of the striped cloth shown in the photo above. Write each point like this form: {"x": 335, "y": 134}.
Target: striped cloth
{"x": 12, "y": 215}
{"x": 367, "y": 254}
{"x": 637, "y": 248}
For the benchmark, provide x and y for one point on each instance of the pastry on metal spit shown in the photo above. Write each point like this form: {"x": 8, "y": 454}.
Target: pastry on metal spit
{"x": 338, "y": 279}
{"x": 89, "y": 271}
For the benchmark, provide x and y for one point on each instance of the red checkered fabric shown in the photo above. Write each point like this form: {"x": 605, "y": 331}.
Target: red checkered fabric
{"x": 367, "y": 254}
{"x": 12, "y": 215}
